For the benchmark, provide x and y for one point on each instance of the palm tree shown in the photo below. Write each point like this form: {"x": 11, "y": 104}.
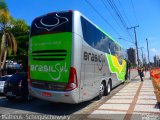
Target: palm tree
{"x": 8, "y": 43}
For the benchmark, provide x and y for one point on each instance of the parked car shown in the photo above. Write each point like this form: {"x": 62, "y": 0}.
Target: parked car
{"x": 12, "y": 65}
{"x": 2, "y": 82}
{"x": 17, "y": 86}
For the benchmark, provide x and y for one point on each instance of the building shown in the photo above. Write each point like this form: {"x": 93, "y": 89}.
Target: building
{"x": 132, "y": 56}
{"x": 156, "y": 60}
{"x": 144, "y": 60}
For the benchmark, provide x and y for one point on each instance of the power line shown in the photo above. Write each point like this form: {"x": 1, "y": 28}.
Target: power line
{"x": 124, "y": 12}
{"x": 134, "y": 12}
{"x": 120, "y": 17}
{"x": 136, "y": 19}
{"x": 111, "y": 14}
{"x": 102, "y": 17}
{"x": 115, "y": 21}
{"x": 126, "y": 40}
{"x": 117, "y": 12}
{"x": 113, "y": 6}
{"x": 122, "y": 38}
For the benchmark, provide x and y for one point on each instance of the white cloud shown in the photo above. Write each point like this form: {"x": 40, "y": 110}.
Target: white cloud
{"x": 152, "y": 38}
{"x": 153, "y": 50}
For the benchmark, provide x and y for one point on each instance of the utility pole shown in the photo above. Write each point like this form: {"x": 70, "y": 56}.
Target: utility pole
{"x": 148, "y": 56}
{"x": 148, "y": 53}
{"x": 136, "y": 42}
{"x": 142, "y": 55}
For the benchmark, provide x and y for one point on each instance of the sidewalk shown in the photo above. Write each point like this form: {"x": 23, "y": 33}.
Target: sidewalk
{"x": 136, "y": 101}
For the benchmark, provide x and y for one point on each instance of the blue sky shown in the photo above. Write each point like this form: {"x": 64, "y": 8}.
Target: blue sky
{"x": 144, "y": 13}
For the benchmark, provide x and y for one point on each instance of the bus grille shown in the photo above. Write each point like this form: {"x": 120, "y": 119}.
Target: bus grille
{"x": 49, "y": 55}
{"x": 49, "y": 85}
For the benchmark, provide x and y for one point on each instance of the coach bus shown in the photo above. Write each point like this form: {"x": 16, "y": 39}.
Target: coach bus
{"x": 71, "y": 59}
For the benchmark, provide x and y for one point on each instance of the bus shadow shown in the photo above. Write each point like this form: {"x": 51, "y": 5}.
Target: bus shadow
{"x": 40, "y": 107}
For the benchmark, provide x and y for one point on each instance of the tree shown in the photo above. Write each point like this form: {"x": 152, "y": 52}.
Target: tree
{"x": 8, "y": 43}
{"x": 21, "y": 32}
{"x": 19, "y": 27}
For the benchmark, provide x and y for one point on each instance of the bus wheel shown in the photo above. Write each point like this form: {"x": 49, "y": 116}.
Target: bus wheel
{"x": 109, "y": 87}
{"x": 101, "y": 91}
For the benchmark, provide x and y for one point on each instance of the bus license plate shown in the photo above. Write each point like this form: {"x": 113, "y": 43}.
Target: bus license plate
{"x": 46, "y": 94}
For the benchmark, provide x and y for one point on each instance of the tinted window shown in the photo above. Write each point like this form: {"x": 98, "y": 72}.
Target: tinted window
{"x": 97, "y": 39}
{"x": 100, "y": 41}
{"x": 112, "y": 47}
{"x": 88, "y": 30}
{"x": 52, "y": 23}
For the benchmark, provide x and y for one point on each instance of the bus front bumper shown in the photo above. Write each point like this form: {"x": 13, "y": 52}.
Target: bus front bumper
{"x": 71, "y": 97}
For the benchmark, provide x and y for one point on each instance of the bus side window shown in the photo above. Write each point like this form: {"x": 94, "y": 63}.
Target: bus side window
{"x": 87, "y": 30}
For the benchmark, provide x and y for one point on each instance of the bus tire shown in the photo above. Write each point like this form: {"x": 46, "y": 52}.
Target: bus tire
{"x": 108, "y": 87}
{"x": 102, "y": 90}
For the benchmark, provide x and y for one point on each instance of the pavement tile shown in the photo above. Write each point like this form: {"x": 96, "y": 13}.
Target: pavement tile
{"x": 146, "y": 93}
{"x": 147, "y": 108}
{"x": 144, "y": 116}
{"x": 115, "y": 106}
{"x": 147, "y": 86}
{"x": 133, "y": 85}
{"x": 119, "y": 101}
{"x": 133, "y": 91}
{"x": 123, "y": 97}
{"x": 148, "y": 97}
{"x": 127, "y": 93}
{"x": 105, "y": 114}
{"x": 130, "y": 89}
{"x": 154, "y": 102}
{"x": 144, "y": 90}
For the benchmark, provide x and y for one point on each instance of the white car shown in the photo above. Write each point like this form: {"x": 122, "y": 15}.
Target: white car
{"x": 2, "y": 82}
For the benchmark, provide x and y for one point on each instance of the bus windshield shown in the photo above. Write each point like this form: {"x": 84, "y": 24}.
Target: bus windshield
{"x": 52, "y": 23}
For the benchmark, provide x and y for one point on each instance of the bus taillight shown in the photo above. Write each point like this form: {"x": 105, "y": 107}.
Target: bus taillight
{"x": 72, "y": 83}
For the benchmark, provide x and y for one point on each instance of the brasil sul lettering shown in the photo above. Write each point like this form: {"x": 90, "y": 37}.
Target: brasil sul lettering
{"x": 57, "y": 69}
